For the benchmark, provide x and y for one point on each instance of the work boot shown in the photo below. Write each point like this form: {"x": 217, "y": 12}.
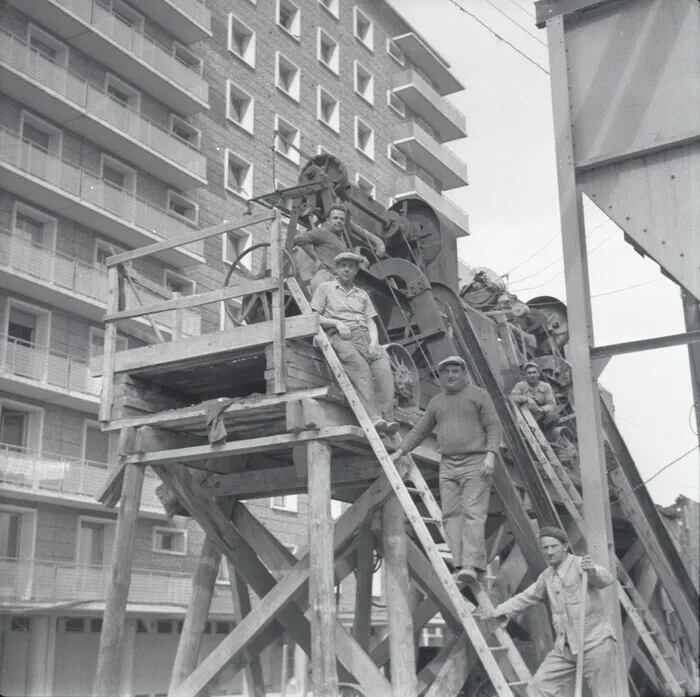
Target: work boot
{"x": 380, "y": 425}
{"x": 467, "y": 574}
{"x": 391, "y": 427}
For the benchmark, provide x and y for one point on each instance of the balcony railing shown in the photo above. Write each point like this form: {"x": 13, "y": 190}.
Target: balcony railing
{"x": 54, "y": 369}
{"x": 63, "y": 476}
{"x": 81, "y": 184}
{"x": 55, "y": 582}
{"x": 98, "y": 104}
{"x": 157, "y": 57}
{"x": 88, "y": 281}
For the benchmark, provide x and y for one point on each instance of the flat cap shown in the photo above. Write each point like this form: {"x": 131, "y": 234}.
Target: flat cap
{"x": 531, "y": 364}
{"x": 458, "y": 360}
{"x": 551, "y": 531}
{"x": 348, "y": 256}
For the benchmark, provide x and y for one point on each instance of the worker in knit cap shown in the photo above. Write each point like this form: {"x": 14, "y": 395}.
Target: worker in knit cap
{"x": 561, "y": 584}
{"x": 468, "y": 433}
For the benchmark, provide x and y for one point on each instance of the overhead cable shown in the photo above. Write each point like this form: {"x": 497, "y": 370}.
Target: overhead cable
{"x": 517, "y": 24}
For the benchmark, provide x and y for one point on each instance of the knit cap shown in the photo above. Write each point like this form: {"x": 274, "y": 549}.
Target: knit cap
{"x": 551, "y": 531}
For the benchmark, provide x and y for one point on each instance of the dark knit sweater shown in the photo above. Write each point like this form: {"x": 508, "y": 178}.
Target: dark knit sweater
{"x": 464, "y": 422}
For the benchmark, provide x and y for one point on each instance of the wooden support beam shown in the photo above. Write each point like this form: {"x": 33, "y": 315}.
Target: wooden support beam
{"x": 106, "y": 683}
{"x": 362, "y": 622}
{"x": 398, "y": 596}
{"x": 278, "y": 323}
{"x": 321, "y": 584}
{"x": 203, "y": 584}
{"x": 109, "y": 357}
{"x": 207, "y": 346}
{"x": 455, "y": 669}
{"x": 657, "y": 342}
{"x": 254, "y": 678}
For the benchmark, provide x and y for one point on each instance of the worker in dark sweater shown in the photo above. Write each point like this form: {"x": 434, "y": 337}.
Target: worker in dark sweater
{"x": 468, "y": 435}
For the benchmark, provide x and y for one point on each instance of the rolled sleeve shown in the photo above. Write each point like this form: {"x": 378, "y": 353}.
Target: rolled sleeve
{"x": 370, "y": 311}
{"x": 318, "y": 301}
{"x": 549, "y": 398}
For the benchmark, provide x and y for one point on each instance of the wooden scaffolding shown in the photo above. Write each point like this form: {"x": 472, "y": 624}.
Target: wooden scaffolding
{"x": 257, "y": 411}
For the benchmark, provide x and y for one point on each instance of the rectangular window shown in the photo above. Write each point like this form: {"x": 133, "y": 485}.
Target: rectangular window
{"x": 287, "y": 77}
{"x": 187, "y": 58}
{"x": 96, "y": 443}
{"x": 128, "y": 15}
{"x": 240, "y": 107}
{"x": 126, "y": 95}
{"x": 328, "y": 51}
{"x": 395, "y": 52}
{"x": 177, "y": 283}
{"x": 47, "y": 46}
{"x": 14, "y": 427}
{"x": 289, "y": 18}
{"x": 364, "y": 29}
{"x": 241, "y": 40}
{"x": 397, "y": 157}
{"x": 364, "y": 83}
{"x": 184, "y": 131}
{"x": 74, "y": 624}
{"x": 43, "y": 136}
{"x": 97, "y": 342}
{"x": 287, "y": 140}
{"x": 396, "y": 104}
{"x": 377, "y": 589}
{"x": 170, "y": 541}
{"x": 92, "y": 543}
{"x": 238, "y": 175}
{"x": 29, "y": 230}
{"x": 285, "y": 503}
{"x": 331, "y": 6}
{"x": 10, "y": 530}
{"x": 118, "y": 175}
{"x": 183, "y": 208}
{"x": 364, "y": 138}
{"x": 366, "y": 185}
{"x": 328, "y": 110}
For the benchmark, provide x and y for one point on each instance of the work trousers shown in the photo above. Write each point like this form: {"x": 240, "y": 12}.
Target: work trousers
{"x": 545, "y": 420}
{"x": 556, "y": 677}
{"x": 369, "y": 372}
{"x": 465, "y": 494}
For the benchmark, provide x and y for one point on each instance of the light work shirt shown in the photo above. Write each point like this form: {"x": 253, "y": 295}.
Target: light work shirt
{"x": 327, "y": 245}
{"x": 353, "y": 306}
{"x": 542, "y": 393}
{"x": 562, "y": 587}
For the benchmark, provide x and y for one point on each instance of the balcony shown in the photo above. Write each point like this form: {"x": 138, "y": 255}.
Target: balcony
{"x": 421, "y": 147}
{"x": 187, "y": 20}
{"x": 413, "y": 186}
{"x": 46, "y": 275}
{"x": 74, "y": 481}
{"x": 424, "y": 57}
{"x": 419, "y": 95}
{"x": 121, "y": 47}
{"x": 38, "y": 82}
{"x": 49, "y": 181}
{"x": 39, "y": 372}
{"x": 37, "y": 582}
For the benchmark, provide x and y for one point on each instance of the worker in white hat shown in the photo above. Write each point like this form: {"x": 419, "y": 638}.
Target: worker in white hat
{"x": 537, "y": 395}
{"x": 349, "y": 315}
{"x": 468, "y": 433}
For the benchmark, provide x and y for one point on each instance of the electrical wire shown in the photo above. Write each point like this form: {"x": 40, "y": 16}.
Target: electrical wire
{"x": 649, "y": 428}
{"x": 498, "y": 36}
{"x": 665, "y": 467}
{"x": 620, "y": 290}
{"x": 522, "y": 9}
{"x": 690, "y": 417}
{"x": 517, "y": 24}
{"x": 532, "y": 256}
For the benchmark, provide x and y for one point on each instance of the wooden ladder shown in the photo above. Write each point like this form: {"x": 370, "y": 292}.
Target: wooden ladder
{"x": 491, "y": 657}
{"x": 670, "y": 670}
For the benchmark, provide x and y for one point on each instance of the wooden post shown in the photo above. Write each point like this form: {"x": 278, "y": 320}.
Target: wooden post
{"x": 362, "y": 623}
{"x": 109, "y": 655}
{"x": 404, "y": 682}
{"x": 110, "y": 345}
{"x": 322, "y": 577}
{"x": 691, "y": 312}
{"x": 277, "y": 271}
{"x": 203, "y": 583}
{"x": 254, "y": 678}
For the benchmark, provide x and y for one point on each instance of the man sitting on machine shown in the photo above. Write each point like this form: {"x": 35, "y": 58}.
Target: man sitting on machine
{"x": 348, "y": 312}
{"x": 538, "y": 396}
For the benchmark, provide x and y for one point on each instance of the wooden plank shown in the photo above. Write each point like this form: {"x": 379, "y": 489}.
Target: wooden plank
{"x": 254, "y": 678}
{"x": 110, "y": 347}
{"x": 362, "y": 620}
{"x": 398, "y": 592}
{"x": 203, "y": 584}
{"x": 185, "y": 301}
{"x": 278, "y": 337}
{"x": 174, "y": 354}
{"x": 282, "y": 441}
{"x": 194, "y": 236}
{"x": 455, "y": 670}
{"x": 106, "y": 682}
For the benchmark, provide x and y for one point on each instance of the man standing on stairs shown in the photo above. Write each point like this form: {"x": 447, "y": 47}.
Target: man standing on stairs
{"x": 468, "y": 435}
{"x": 561, "y": 583}
{"x": 348, "y": 313}
{"x": 538, "y": 396}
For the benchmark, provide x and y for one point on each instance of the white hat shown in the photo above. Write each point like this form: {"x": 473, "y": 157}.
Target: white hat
{"x": 458, "y": 360}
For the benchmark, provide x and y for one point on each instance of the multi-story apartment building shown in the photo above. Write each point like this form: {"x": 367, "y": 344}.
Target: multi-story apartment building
{"x": 123, "y": 122}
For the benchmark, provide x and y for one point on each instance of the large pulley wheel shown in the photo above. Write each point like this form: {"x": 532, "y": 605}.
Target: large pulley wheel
{"x": 351, "y": 690}
{"x": 406, "y": 378}
{"x": 256, "y": 307}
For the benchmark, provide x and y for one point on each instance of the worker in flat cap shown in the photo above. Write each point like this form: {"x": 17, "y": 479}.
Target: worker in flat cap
{"x": 537, "y": 395}
{"x": 561, "y": 583}
{"x": 347, "y": 312}
{"x": 468, "y": 433}
{"x": 324, "y": 242}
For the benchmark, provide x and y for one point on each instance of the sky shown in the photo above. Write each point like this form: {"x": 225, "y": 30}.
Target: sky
{"x": 513, "y": 207}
